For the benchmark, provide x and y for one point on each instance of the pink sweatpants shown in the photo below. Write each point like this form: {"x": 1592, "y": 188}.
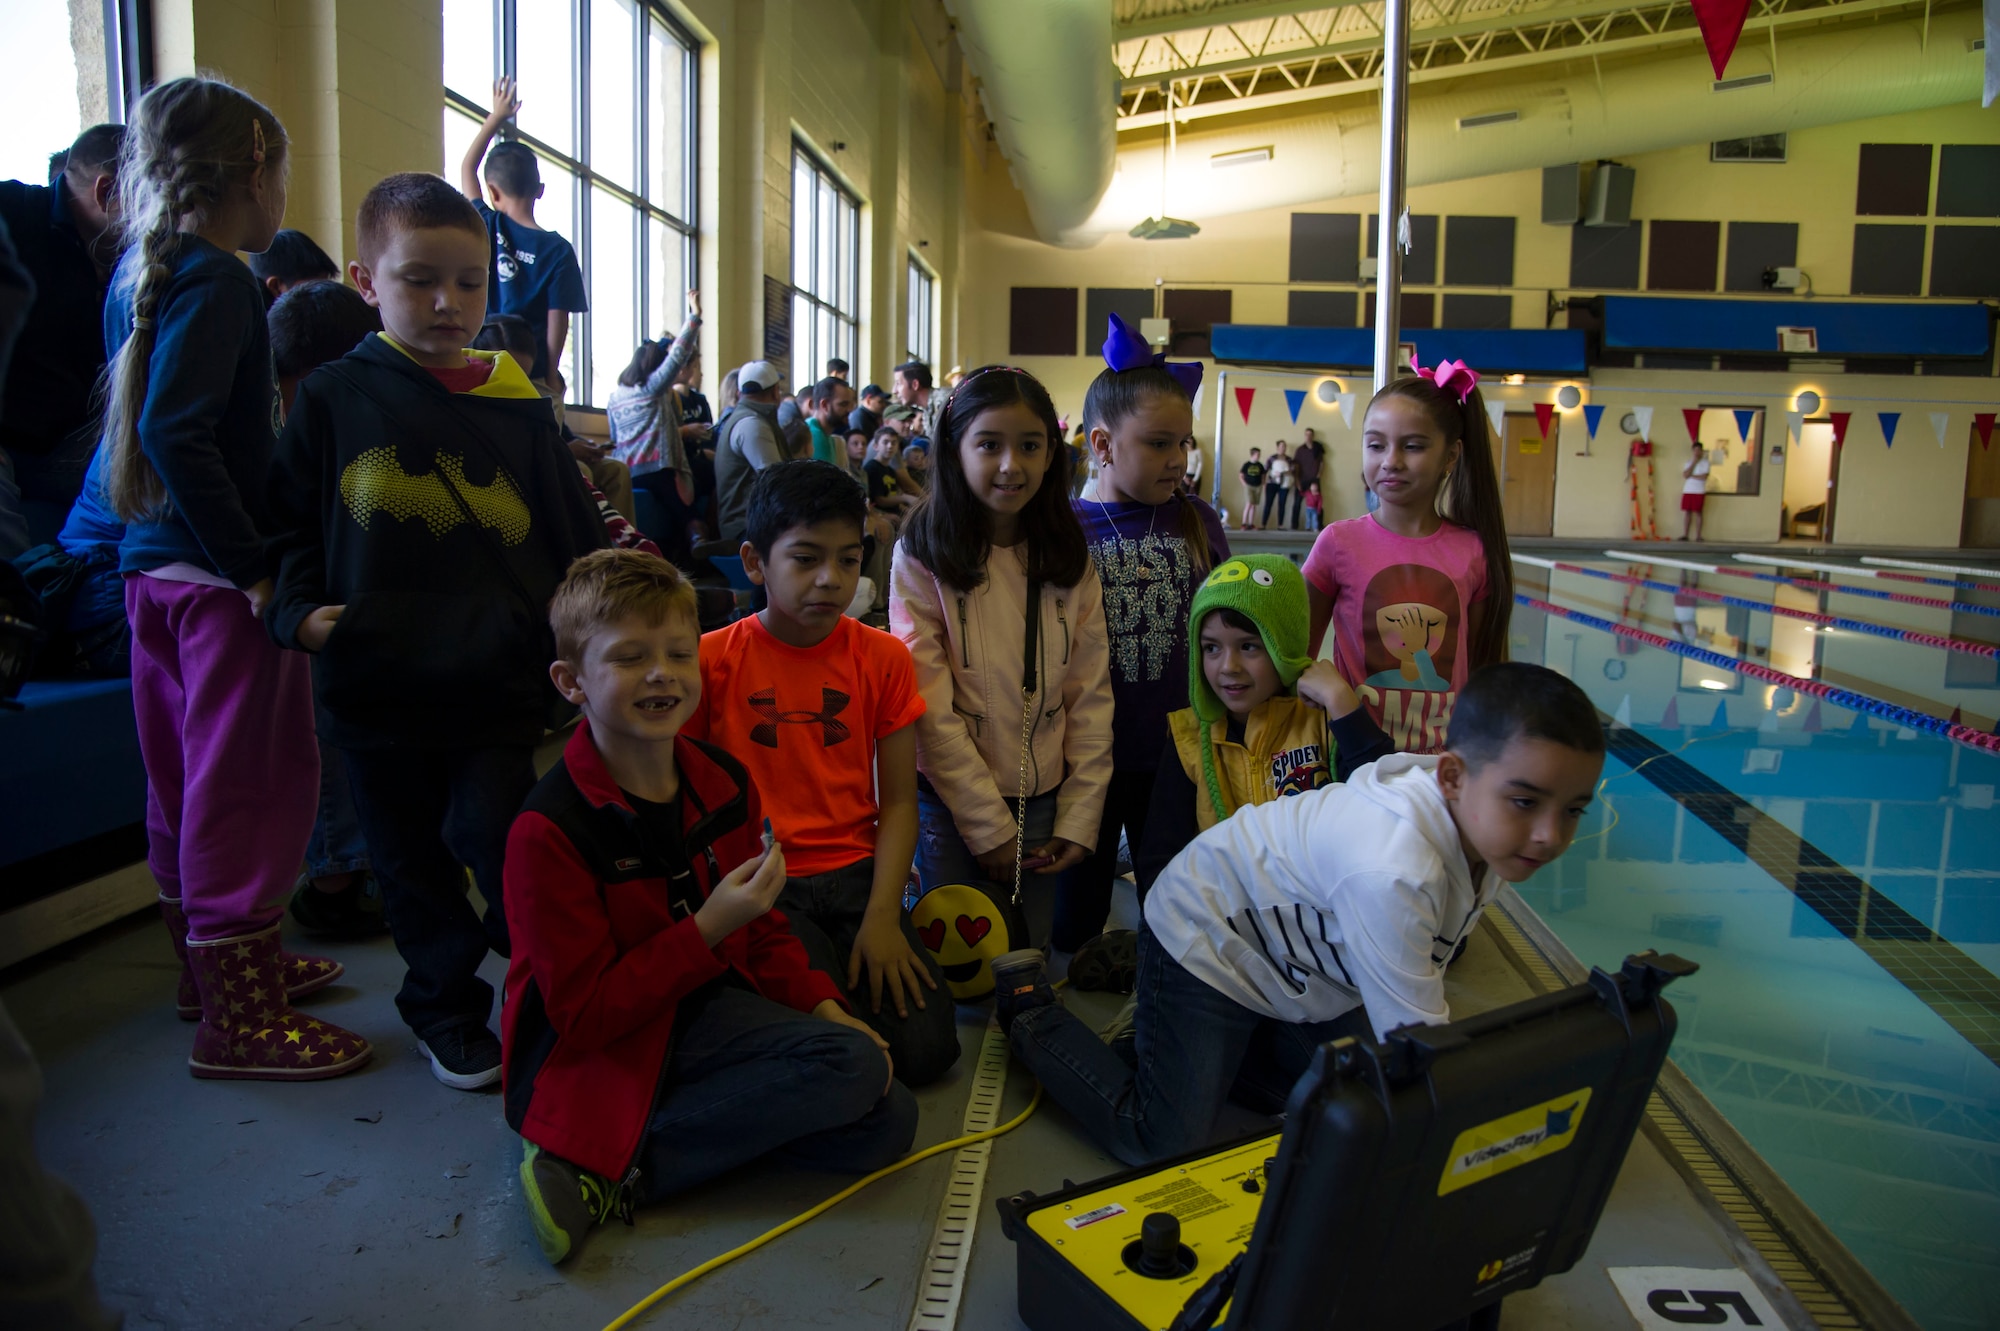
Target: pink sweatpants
{"x": 232, "y": 768}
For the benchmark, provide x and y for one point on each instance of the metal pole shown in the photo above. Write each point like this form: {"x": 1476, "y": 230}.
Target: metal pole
{"x": 1395, "y": 139}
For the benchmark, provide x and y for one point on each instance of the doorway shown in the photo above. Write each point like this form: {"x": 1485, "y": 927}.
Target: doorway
{"x": 1527, "y": 466}
{"x": 1982, "y": 494}
{"x": 1812, "y": 473}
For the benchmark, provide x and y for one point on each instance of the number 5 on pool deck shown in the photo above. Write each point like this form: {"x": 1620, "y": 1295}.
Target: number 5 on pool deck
{"x": 1664, "y": 1298}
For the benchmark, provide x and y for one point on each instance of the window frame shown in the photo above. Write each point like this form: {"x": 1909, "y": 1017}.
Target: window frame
{"x": 679, "y": 216}
{"x": 920, "y": 317}
{"x": 809, "y": 302}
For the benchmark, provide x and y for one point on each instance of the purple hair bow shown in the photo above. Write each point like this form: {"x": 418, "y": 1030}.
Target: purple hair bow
{"x": 1451, "y": 376}
{"x": 1126, "y": 349}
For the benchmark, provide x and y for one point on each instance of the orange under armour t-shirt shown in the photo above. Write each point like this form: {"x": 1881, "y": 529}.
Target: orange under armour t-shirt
{"x": 804, "y": 722}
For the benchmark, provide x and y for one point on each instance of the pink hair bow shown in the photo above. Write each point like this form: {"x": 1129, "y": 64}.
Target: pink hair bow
{"x": 1451, "y": 376}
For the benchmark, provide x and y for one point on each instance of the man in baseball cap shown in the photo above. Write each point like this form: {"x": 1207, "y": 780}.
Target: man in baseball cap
{"x": 759, "y": 376}
{"x": 747, "y": 441}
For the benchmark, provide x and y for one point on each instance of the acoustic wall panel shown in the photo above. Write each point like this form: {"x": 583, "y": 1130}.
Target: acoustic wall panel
{"x": 1756, "y": 246}
{"x": 1605, "y": 258}
{"x": 1464, "y": 311}
{"x": 1320, "y": 309}
{"x": 1099, "y": 303}
{"x": 1193, "y": 313}
{"x": 1894, "y": 180}
{"x": 1326, "y": 247}
{"x": 1479, "y": 251}
{"x": 1969, "y": 180}
{"x": 1888, "y": 259}
{"x": 1042, "y": 321}
{"x": 1420, "y": 267}
{"x": 1682, "y": 256}
{"x": 1965, "y": 261}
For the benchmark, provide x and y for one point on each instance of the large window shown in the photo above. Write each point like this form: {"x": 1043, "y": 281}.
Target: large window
{"x": 608, "y": 103}
{"x": 922, "y": 339}
{"x": 826, "y": 269}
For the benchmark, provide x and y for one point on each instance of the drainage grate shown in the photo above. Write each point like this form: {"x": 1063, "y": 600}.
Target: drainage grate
{"x": 950, "y": 1254}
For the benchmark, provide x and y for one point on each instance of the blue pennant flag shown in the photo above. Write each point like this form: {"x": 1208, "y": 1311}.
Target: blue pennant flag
{"x": 1591, "y": 416}
{"x": 1743, "y": 420}
{"x": 1889, "y": 419}
{"x": 1294, "y": 399}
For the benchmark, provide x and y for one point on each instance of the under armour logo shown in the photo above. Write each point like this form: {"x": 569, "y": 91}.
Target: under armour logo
{"x": 765, "y": 703}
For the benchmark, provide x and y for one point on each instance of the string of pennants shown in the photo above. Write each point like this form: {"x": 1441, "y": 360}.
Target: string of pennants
{"x": 1593, "y": 416}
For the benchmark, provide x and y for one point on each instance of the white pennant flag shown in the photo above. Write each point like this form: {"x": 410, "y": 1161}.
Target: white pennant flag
{"x": 1623, "y": 716}
{"x": 1940, "y": 422}
{"x": 1497, "y": 410}
{"x": 1644, "y": 415}
{"x": 1347, "y": 409}
{"x": 1795, "y": 422}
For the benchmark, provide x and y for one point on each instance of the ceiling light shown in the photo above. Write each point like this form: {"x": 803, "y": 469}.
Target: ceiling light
{"x": 1241, "y": 157}
{"x": 1715, "y": 684}
{"x": 1164, "y": 228}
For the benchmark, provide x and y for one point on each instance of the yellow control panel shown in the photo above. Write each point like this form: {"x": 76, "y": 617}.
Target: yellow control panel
{"x": 1215, "y": 1199}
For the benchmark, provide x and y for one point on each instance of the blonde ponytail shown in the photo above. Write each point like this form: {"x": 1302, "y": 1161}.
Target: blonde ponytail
{"x": 190, "y": 143}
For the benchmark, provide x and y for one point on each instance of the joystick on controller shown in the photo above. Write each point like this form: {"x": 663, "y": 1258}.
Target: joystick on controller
{"x": 1158, "y": 1253}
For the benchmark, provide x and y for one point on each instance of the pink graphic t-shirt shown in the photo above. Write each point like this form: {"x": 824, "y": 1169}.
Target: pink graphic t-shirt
{"x": 1401, "y": 608}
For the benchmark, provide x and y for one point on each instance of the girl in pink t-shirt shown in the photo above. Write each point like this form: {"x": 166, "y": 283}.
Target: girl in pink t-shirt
{"x": 1419, "y": 592}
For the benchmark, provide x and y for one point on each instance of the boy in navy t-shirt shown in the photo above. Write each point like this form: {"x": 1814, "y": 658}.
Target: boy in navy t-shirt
{"x": 535, "y": 273}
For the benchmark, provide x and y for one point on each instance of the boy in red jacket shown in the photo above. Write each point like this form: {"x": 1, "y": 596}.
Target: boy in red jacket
{"x": 662, "y": 1023}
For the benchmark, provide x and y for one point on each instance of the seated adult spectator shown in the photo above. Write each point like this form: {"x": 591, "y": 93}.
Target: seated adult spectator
{"x": 867, "y": 417}
{"x": 827, "y": 408}
{"x": 837, "y": 369}
{"x": 747, "y": 440}
{"x": 913, "y": 389}
{"x": 294, "y": 259}
{"x": 66, "y": 235}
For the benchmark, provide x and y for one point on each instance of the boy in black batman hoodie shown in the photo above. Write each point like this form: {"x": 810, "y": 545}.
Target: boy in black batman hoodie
{"x": 426, "y": 511}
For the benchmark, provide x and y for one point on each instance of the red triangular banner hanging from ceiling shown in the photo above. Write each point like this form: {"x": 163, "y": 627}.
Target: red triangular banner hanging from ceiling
{"x": 1692, "y": 415}
{"x": 1839, "y": 420}
{"x": 1721, "y": 24}
{"x": 1545, "y": 413}
{"x": 1243, "y": 397}
{"x": 1672, "y": 716}
{"x": 1982, "y": 421}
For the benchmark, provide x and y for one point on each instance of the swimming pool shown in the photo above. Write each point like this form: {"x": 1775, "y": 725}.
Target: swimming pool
{"x": 1836, "y": 874}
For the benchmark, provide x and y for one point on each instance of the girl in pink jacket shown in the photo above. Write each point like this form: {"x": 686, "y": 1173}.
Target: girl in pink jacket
{"x": 994, "y": 593}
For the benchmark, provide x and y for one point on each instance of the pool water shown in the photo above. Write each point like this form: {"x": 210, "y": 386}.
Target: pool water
{"x": 1836, "y": 875}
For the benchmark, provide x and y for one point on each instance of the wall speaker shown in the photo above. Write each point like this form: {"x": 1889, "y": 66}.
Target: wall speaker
{"x": 1610, "y": 195}
{"x": 1562, "y": 194}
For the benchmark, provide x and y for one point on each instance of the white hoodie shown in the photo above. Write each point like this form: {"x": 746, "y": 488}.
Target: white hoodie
{"x": 1304, "y": 907}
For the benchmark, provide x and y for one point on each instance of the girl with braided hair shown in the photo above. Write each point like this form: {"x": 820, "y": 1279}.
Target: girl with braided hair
{"x": 225, "y": 716}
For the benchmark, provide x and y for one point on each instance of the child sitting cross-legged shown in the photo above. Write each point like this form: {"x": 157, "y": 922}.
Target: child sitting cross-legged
{"x": 662, "y": 1024}
{"x": 822, "y": 710}
{"x": 1299, "y": 921}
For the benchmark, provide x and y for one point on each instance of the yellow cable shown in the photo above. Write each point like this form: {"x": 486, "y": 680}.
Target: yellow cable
{"x": 686, "y": 1278}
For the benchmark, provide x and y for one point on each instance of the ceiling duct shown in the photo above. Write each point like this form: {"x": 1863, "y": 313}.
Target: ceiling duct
{"x": 1051, "y": 91}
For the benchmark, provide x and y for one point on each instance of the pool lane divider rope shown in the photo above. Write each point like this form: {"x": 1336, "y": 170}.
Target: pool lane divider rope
{"x": 1848, "y": 698}
{"x": 1984, "y": 649}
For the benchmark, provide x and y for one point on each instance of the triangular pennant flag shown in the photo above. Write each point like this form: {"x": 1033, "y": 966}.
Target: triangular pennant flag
{"x": 1743, "y": 423}
{"x": 1860, "y": 726}
{"x": 1347, "y": 409}
{"x": 1545, "y": 413}
{"x": 1623, "y": 716}
{"x": 1940, "y": 422}
{"x": 1244, "y": 396}
{"x": 1839, "y": 420}
{"x": 1644, "y": 416}
{"x": 1692, "y": 415}
{"x": 1721, "y": 24}
{"x": 1671, "y": 718}
{"x": 1812, "y": 722}
{"x": 1496, "y": 411}
{"x": 1958, "y": 716}
{"x": 1294, "y": 399}
{"x": 1794, "y": 423}
{"x": 1591, "y": 416}
{"x": 1889, "y": 419}
{"x": 1982, "y": 421}
{"x": 1720, "y": 721}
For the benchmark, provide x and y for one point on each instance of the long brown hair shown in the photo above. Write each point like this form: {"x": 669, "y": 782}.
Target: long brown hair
{"x": 190, "y": 144}
{"x": 1470, "y": 497}
{"x": 1116, "y": 394}
{"x": 951, "y": 532}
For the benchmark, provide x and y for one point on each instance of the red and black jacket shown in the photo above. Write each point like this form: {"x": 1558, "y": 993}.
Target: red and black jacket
{"x": 600, "y": 964}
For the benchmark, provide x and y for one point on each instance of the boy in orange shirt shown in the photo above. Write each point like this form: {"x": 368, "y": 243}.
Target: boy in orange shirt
{"x": 821, "y": 709}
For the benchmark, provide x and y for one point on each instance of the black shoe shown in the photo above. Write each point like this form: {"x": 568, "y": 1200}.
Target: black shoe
{"x": 1108, "y": 963}
{"x": 464, "y": 1057}
{"x": 353, "y": 913}
{"x": 564, "y": 1202}
{"x": 1020, "y": 983}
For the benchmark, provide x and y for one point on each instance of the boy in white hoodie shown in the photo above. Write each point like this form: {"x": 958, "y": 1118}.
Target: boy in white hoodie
{"x": 1302, "y": 920}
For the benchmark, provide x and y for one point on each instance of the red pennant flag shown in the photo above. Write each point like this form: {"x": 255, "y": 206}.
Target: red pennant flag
{"x": 1721, "y": 24}
{"x": 1982, "y": 421}
{"x": 1243, "y": 397}
{"x": 1672, "y": 716}
{"x": 1692, "y": 415}
{"x": 1958, "y": 716}
{"x": 1545, "y": 413}
{"x": 1839, "y": 420}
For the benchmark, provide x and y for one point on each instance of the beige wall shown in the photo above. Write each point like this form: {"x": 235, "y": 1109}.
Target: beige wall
{"x": 1914, "y": 491}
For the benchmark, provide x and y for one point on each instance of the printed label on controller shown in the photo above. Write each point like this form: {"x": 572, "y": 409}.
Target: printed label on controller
{"x": 1183, "y": 1199}
{"x": 1092, "y": 1217}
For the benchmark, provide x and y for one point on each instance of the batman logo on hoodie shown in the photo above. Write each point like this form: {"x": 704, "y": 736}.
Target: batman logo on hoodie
{"x": 375, "y": 482}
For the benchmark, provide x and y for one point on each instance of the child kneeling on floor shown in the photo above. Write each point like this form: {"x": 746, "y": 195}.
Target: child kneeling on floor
{"x": 1303, "y": 920}
{"x": 662, "y": 1023}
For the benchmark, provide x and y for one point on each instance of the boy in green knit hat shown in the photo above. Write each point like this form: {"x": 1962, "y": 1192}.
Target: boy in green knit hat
{"x": 1266, "y": 721}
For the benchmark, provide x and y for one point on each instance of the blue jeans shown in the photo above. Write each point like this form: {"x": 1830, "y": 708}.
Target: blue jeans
{"x": 825, "y": 912}
{"x": 1196, "y": 1048}
{"x": 337, "y": 845}
{"x": 747, "y": 1076}
{"x": 943, "y": 857}
{"x": 429, "y": 815}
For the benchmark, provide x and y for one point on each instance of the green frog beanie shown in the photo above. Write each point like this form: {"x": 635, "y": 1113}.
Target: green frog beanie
{"x": 1270, "y": 592}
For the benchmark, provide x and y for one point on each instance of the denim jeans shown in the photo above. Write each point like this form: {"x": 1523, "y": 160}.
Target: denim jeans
{"x": 943, "y": 857}
{"x": 825, "y": 911}
{"x": 747, "y": 1076}
{"x": 1275, "y": 494}
{"x": 1196, "y": 1048}
{"x": 337, "y": 845}
{"x": 1083, "y": 901}
{"x": 429, "y": 815}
